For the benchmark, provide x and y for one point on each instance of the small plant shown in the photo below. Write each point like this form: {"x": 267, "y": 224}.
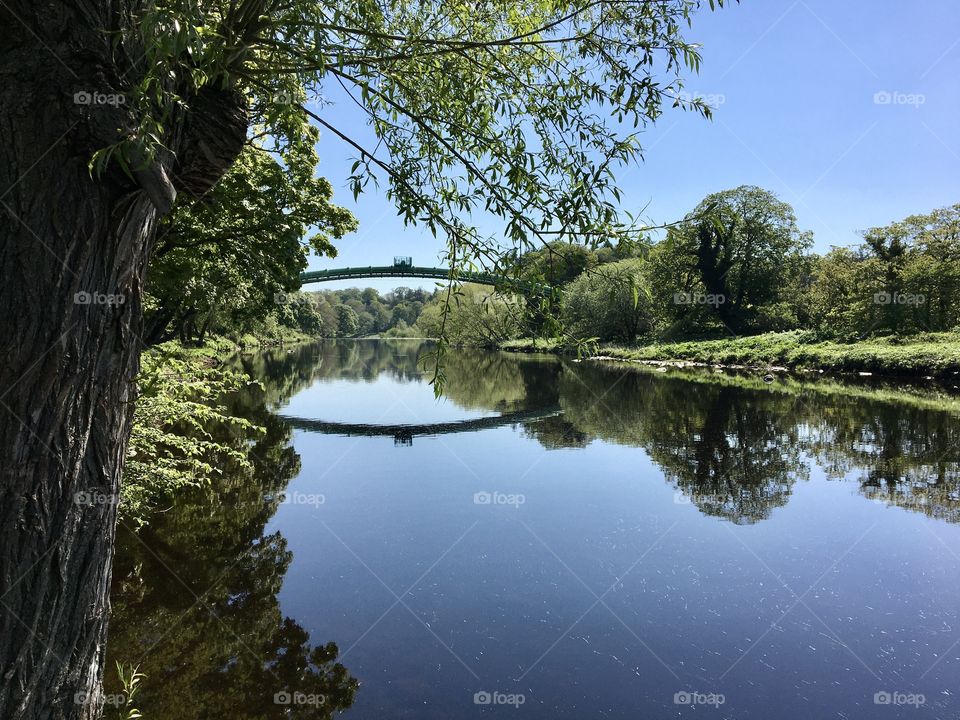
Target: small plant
{"x": 130, "y": 681}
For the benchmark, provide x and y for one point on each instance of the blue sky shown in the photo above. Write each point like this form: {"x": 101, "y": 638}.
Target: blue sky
{"x": 846, "y": 110}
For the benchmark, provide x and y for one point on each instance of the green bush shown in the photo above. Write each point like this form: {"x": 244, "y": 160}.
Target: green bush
{"x": 611, "y": 302}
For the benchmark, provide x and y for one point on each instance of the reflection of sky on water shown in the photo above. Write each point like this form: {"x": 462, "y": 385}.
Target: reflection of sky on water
{"x": 384, "y": 401}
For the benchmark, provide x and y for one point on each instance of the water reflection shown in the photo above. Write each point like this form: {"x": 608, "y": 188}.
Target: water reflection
{"x": 199, "y": 597}
{"x": 736, "y": 450}
{"x": 195, "y": 593}
{"x": 728, "y": 450}
{"x": 899, "y": 453}
{"x": 733, "y": 447}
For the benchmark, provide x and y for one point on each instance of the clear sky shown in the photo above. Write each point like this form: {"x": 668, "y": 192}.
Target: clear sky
{"x": 849, "y": 110}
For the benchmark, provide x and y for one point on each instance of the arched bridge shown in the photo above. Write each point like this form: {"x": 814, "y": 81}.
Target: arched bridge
{"x": 375, "y": 271}
{"x": 404, "y": 267}
{"x": 404, "y": 434}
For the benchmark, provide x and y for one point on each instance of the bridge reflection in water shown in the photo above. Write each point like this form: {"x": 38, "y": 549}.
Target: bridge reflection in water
{"x": 403, "y": 434}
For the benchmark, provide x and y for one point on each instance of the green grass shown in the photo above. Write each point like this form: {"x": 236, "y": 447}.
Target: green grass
{"x": 933, "y": 354}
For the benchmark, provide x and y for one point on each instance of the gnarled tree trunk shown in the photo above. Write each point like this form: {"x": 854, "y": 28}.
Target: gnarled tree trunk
{"x": 73, "y": 253}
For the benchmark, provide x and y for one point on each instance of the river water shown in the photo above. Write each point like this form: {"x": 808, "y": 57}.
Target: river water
{"x": 555, "y": 539}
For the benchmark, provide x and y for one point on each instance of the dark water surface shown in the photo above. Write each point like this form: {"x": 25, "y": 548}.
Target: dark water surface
{"x": 555, "y": 540}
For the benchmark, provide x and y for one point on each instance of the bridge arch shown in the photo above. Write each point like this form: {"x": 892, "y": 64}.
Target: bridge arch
{"x": 404, "y": 267}
{"x": 376, "y": 271}
{"x": 404, "y": 434}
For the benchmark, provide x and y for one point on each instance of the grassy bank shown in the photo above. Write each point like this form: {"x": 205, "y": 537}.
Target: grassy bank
{"x": 249, "y": 341}
{"x": 930, "y": 354}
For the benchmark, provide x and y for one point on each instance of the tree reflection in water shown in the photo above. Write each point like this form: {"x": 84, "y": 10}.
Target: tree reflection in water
{"x": 195, "y": 595}
{"x": 728, "y": 450}
{"x": 735, "y": 447}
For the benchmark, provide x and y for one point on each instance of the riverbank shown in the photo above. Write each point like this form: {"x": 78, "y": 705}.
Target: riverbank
{"x": 184, "y": 431}
{"x": 924, "y": 355}
{"x": 221, "y": 347}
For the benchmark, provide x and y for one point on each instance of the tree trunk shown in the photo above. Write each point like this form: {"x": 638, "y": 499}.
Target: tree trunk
{"x": 73, "y": 253}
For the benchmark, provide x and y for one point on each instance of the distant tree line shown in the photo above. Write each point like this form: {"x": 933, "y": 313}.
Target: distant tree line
{"x": 354, "y": 312}
{"x": 738, "y": 264}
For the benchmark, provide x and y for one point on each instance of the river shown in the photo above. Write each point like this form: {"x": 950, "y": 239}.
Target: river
{"x": 555, "y": 539}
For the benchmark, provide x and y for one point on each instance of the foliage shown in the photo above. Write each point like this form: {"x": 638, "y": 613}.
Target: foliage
{"x": 130, "y": 682}
{"x": 379, "y": 313}
{"x": 225, "y": 262}
{"x": 609, "y": 303}
{"x": 903, "y": 278}
{"x": 478, "y": 110}
{"x": 557, "y": 263}
{"x": 400, "y": 330}
{"x": 348, "y": 324}
{"x": 173, "y": 442}
{"x": 738, "y": 265}
{"x": 477, "y": 316}
{"x": 515, "y": 113}
{"x": 738, "y": 250}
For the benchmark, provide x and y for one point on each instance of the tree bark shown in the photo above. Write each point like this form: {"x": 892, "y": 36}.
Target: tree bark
{"x": 73, "y": 254}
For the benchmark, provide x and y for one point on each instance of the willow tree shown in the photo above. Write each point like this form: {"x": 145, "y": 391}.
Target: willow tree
{"x": 113, "y": 111}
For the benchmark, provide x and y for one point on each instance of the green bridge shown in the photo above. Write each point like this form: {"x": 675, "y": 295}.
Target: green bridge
{"x": 404, "y": 267}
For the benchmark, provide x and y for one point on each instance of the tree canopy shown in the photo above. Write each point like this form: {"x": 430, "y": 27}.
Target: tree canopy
{"x": 520, "y": 115}
{"x": 736, "y": 247}
{"x": 610, "y": 303}
{"x": 230, "y": 255}
{"x": 903, "y": 277}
